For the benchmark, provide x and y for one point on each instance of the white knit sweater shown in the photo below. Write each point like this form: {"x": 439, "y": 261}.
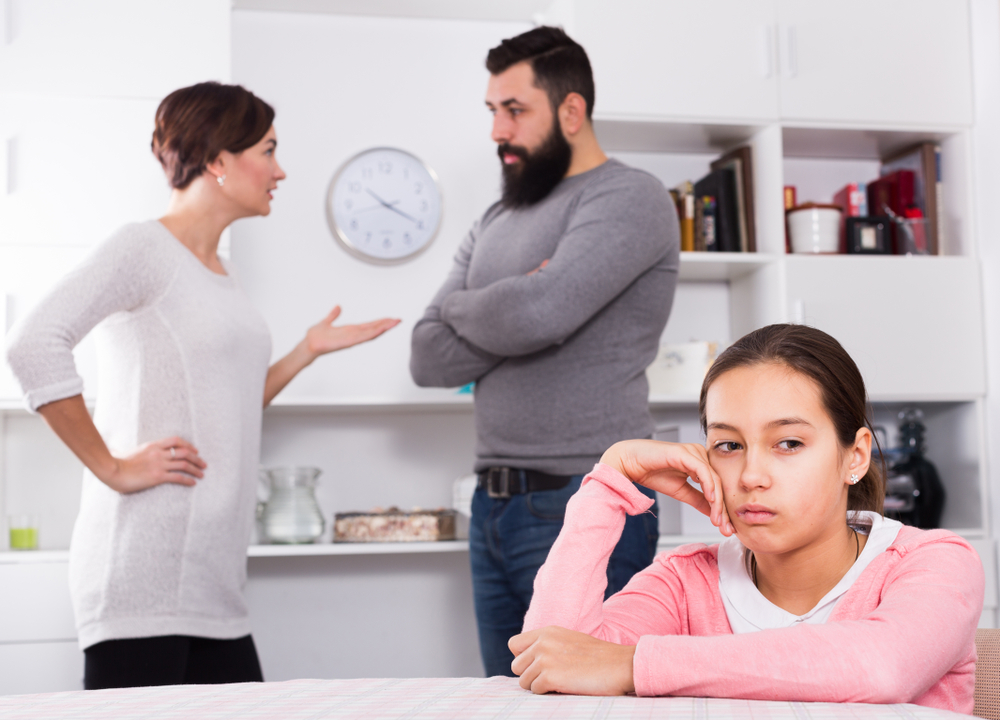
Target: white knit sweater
{"x": 181, "y": 351}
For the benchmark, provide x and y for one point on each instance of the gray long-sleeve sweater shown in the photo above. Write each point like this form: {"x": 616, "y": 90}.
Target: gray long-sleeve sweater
{"x": 558, "y": 356}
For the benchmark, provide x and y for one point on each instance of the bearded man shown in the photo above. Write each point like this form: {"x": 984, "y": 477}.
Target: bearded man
{"x": 554, "y": 307}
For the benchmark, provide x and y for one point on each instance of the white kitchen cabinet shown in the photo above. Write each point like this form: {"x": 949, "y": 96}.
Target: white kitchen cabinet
{"x": 710, "y": 59}
{"x": 112, "y": 48}
{"x": 78, "y": 168}
{"x": 905, "y": 62}
{"x": 913, "y": 324}
{"x": 891, "y": 61}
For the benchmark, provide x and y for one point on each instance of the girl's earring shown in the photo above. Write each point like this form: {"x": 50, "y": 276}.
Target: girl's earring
{"x": 221, "y": 179}
{"x": 854, "y": 479}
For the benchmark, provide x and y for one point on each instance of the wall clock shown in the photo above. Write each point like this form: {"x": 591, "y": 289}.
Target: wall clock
{"x": 384, "y": 205}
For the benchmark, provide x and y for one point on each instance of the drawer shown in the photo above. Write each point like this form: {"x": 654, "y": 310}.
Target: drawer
{"x": 35, "y": 604}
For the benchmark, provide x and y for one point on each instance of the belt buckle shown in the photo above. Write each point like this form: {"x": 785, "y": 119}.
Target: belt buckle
{"x": 500, "y": 490}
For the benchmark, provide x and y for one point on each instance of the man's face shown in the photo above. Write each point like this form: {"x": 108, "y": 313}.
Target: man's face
{"x": 533, "y": 151}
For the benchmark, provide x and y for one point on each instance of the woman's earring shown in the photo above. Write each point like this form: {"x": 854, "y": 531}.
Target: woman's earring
{"x": 854, "y": 479}
{"x": 221, "y": 180}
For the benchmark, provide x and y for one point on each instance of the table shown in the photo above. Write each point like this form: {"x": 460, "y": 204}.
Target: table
{"x": 416, "y": 699}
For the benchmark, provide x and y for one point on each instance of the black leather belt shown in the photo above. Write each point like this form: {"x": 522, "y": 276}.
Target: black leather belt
{"x": 502, "y": 482}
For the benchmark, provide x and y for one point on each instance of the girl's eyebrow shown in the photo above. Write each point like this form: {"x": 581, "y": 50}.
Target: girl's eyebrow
{"x": 781, "y": 422}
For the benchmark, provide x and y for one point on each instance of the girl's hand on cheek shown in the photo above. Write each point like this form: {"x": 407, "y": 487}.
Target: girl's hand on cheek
{"x": 666, "y": 467}
{"x": 554, "y": 659}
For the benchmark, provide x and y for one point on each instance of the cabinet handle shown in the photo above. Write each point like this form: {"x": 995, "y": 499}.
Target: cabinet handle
{"x": 792, "y": 54}
{"x": 11, "y": 170}
{"x": 9, "y": 31}
{"x": 768, "y": 51}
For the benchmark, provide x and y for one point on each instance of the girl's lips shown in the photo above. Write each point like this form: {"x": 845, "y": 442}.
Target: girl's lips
{"x": 754, "y": 514}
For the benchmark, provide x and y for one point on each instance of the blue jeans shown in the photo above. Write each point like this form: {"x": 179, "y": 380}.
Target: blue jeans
{"x": 509, "y": 540}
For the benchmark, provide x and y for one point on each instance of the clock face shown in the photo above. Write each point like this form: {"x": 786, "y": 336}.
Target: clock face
{"x": 384, "y": 205}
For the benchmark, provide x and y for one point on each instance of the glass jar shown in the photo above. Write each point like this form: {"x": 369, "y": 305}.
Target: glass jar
{"x": 290, "y": 514}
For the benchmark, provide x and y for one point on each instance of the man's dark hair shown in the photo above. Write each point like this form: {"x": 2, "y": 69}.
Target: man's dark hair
{"x": 559, "y": 63}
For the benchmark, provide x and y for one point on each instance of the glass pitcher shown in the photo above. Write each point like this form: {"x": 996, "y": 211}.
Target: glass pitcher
{"x": 290, "y": 514}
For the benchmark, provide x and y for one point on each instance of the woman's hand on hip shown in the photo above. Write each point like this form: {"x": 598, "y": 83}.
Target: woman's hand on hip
{"x": 554, "y": 659}
{"x": 666, "y": 467}
{"x": 173, "y": 460}
{"x": 325, "y": 337}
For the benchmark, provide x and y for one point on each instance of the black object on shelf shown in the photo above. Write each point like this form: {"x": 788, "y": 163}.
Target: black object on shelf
{"x": 914, "y": 494}
{"x": 871, "y": 235}
{"x": 721, "y": 184}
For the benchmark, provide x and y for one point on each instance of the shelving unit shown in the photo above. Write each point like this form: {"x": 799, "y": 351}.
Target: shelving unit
{"x": 811, "y": 120}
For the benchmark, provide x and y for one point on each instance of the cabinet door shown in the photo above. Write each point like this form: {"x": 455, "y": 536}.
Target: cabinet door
{"x": 913, "y": 325}
{"x": 894, "y": 61}
{"x": 657, "y": 58}
{"x": 112, "y": 47}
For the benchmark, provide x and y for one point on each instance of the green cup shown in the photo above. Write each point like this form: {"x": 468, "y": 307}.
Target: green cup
{"x": 23, "y": 532}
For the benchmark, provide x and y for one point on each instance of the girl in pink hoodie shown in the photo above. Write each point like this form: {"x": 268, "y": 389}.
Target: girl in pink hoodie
{"x": 812, "y": 596}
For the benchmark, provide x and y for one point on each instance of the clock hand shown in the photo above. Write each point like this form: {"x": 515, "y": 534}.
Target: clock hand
{"x": 389, "y": 206}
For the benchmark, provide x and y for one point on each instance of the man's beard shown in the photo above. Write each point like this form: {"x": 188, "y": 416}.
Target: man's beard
{"x": 533, "y": 178}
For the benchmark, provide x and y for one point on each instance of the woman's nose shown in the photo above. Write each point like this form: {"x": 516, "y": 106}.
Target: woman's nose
{"x": 755, "y": 472}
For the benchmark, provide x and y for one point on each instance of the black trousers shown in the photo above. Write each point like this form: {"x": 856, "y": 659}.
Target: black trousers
{"x": 170, "y": 660}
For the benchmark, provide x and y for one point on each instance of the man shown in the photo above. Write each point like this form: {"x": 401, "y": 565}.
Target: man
{"x": 554, "y": 308}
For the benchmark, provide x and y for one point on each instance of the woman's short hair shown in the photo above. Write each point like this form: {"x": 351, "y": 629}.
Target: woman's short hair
{"x": 821, "y": 358}
{"x": 196, "y": 123}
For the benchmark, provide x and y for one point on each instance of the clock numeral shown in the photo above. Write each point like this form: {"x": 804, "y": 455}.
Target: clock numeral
{"x": 406, "y": 173}
{"x": 384, "y": 167}
{"x": 367, "y": 173}
{"x": 349, "y": 204}
{"x": 423, "y": 206}
{"x": 354, "y": 224}
{"x": 407, "y": 239}
{"x": 387, "y": 243}
{"x": 368, "y": 237}
{"x": 354, "y": 187}
{"x": 420, "y": 224}
{"x": 418, "y": 187}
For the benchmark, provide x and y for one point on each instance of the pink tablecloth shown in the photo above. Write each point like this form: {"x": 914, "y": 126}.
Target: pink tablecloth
{"x": 414, "y": 699}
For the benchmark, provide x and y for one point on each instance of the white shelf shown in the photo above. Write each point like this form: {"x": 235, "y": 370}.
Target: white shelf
{"x": 718, "y": 266}
{"x": 24, "y": 557}
{"x": 388, "y": 548}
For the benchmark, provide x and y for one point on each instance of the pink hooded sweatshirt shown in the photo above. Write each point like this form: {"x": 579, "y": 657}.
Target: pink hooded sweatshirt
{"x": 903, "y": 633}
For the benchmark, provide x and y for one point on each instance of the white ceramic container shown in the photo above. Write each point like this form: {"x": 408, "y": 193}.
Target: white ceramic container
{"x": 814, "y": 228}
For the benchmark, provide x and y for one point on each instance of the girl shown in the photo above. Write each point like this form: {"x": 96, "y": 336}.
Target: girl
{"x": 158, "y": 553}
{"x": 814, "y": 596}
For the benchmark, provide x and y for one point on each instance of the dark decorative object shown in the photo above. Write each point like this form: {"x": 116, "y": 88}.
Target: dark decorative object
{"x": 914, "y": 493}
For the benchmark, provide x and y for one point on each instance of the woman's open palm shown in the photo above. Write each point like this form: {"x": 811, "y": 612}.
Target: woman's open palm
{"x": 325, "y": 337}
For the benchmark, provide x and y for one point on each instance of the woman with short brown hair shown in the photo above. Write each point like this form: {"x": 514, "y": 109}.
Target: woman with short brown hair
{"x": 158, "y": 554}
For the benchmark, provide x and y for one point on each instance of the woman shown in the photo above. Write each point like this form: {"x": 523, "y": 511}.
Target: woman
{"x": 158, "y": 553}
{"x": 814, "y": 596}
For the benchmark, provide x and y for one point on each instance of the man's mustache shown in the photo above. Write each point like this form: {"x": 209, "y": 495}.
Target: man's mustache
{"x": 508, "y": 149}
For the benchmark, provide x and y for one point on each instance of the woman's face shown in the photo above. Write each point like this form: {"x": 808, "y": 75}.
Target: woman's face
{"x": 252, "y": 174}
{"x": 784, "y": 473}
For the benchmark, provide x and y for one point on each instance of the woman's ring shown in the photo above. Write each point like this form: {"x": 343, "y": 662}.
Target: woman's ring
{"x": 172, "y": 453}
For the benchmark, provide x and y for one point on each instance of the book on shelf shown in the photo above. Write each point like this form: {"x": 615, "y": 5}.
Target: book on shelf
{"x": 924, "y": 161}
{"x": 853, "y": 201}
{"x": 705, "y": 223}
{"x": 720, "y": 185}
{"x": 740, "y": 161}
{"x": 683, "y": 196}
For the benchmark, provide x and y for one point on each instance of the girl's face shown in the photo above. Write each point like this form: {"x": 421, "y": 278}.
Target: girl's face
{"x": 784, "y": 473}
